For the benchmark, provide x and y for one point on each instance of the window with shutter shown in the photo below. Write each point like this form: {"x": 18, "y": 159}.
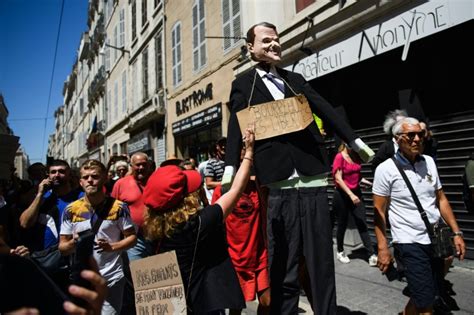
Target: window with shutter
{"x": 144, "y": 12}
{"x": 124, "y": 91}
{"x": 199, "y": 40}
{"x": 176, "y": 53}
{"x": 134, "y": 20}
{"x": 122, "y": 28}
{"x": 145, "y": 73}
{"x": 158, "y": 62}
{"x": 231, "y": 23}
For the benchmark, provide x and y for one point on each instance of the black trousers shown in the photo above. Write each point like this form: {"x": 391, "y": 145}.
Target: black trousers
{"x": 299, "y": 224}
{"x": 343, "y": 205}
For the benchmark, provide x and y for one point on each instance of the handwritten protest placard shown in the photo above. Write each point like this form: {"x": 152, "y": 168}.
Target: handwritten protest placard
{"x": 158, "y": 285}
{"x": 277, "y": 117}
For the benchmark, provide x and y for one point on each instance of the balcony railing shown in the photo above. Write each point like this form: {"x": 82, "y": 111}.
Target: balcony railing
{"x": 84, "y": 47}
{"x": 97, "y": 85}
{"x": 97, "y": 38}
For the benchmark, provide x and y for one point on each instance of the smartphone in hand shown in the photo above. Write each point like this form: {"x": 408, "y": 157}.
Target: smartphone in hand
{"x": 392, "y": 272}
{"x": 84, "y": 248}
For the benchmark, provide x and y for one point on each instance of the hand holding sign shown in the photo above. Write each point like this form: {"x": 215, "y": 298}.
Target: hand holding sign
{"x": 277, "y": 117}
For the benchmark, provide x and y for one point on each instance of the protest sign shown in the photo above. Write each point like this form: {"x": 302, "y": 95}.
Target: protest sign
{"x": 277, "y": 117}
{"x": 158, "y": 285}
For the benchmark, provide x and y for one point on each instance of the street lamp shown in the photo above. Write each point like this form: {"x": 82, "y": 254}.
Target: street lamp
{"x": 122, "y": 49}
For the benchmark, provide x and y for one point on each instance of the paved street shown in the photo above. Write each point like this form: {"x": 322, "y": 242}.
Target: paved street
{"x": 364, "y": 290}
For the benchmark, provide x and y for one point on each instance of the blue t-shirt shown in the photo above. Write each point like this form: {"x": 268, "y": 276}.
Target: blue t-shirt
{"x": 51, "y": 218}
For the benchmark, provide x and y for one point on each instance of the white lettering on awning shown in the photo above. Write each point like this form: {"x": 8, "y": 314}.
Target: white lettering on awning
{"x": 419, "y": 22}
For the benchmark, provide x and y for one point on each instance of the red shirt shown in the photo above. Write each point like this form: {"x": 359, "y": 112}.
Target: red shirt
{"x": 350, "y": 171}
{"x": 128, "y": 190}
{"x": 246, "y": 230}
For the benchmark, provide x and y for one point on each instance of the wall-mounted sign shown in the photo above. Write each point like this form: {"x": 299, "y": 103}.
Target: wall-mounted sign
{"x": 421, "y": 21}
{"x": 195, "y": 99}
{"x": 139, "y": 142}
{"x": 200, "y": 119}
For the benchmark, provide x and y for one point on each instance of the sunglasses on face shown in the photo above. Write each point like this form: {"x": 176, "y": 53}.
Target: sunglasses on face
{"x": 411, "y": 135}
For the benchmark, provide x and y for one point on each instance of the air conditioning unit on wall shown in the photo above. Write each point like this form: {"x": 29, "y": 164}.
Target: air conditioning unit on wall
{"x": 159, "y": 103}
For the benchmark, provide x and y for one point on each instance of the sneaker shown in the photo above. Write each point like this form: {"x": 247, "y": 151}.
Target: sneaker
{"x": 341, "y": 256}
{"x": 373, "y": 260}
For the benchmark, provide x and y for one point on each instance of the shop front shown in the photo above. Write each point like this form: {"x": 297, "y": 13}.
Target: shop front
{"x": 199, "y": 116}
{"x": 141, "y": 142}
{"x": 415, "y": 59}
{"x": 195, "y": 134}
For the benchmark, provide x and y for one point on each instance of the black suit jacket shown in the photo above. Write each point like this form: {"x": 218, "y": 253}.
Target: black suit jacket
{"x": 276, "y": 158}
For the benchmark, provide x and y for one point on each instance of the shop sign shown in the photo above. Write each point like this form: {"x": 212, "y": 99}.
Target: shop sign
{"x": 421, "y": 21}
{"x": 194, "y": 100}
{"x": 139, "y": 142}
{"x": 200, "y": 119}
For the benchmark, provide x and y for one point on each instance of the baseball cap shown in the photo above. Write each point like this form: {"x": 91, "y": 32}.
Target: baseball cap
{"x": 168, "y": 185}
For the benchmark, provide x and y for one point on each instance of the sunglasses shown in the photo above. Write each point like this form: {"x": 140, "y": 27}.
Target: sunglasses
{"x": 411, "y": 135}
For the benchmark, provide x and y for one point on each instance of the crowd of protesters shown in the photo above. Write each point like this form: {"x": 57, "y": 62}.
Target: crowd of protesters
{"x": 251, "y": 222}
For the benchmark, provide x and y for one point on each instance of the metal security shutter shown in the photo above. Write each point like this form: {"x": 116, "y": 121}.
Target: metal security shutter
{"x": 455, "y": 136}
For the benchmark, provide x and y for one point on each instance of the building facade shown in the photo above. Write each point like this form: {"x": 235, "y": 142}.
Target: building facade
{"x": 180, "y": 57}
{"x": 114, "y": 100}
{"x": 146, "y": 115}
{"x": 203, "y": 47}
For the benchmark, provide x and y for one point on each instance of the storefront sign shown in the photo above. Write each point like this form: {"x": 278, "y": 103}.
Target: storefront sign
{"x": 139, "y": 142}
{"x": 421, "y": 21}
{"x": 194, "y": 100}
{"x": 200, "y": 119}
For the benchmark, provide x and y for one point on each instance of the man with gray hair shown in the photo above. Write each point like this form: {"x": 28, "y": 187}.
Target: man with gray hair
{"x": 388, "y": 148}
{"x": 410, "y": 236}
{"x": 129, "y": 189}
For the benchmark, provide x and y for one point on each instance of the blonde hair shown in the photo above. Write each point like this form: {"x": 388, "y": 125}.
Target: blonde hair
{"x": 159, "y": 225}
{"x": 94, "y": 165}
{"x": 341, "y": 147}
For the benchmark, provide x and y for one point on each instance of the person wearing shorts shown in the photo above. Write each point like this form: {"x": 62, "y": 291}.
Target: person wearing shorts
{"x": 410, "y": 236}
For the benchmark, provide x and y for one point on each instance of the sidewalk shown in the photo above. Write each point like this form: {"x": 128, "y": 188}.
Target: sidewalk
{"x": 364, "y": 290}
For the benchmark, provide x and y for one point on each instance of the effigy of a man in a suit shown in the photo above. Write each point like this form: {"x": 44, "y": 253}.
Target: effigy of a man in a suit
{"x": 293, "y": 167}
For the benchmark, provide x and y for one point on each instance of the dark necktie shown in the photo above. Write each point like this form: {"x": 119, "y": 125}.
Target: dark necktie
{"x": 272, "y": 78}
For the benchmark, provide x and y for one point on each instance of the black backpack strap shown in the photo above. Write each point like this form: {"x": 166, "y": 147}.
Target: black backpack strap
{"x": 102, "y": 213}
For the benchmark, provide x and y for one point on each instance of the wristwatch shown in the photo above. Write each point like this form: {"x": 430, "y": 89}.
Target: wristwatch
{"x": 458, "y": 233}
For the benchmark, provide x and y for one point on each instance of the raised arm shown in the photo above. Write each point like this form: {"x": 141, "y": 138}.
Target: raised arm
{"x": 229, "y": 199}
{"x": 29, "y": 217}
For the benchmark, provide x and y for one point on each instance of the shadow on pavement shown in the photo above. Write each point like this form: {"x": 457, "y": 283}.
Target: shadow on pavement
{"x": 360, "y": 253}
{"x": 342, "y": 310}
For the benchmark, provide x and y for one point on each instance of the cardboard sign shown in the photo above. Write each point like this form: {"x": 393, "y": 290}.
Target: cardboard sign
{"x": 158, "y": 285}
{"x": 277, "y": 117}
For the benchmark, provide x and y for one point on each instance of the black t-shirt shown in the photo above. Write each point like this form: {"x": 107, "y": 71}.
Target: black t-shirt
{"x": 214, "y": 284}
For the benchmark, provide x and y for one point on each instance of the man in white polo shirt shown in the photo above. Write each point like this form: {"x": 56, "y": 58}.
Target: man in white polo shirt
{"x": 409, "y": 233}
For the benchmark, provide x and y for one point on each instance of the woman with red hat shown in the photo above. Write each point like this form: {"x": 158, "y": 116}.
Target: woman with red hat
{"x": 176, "y": 218}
